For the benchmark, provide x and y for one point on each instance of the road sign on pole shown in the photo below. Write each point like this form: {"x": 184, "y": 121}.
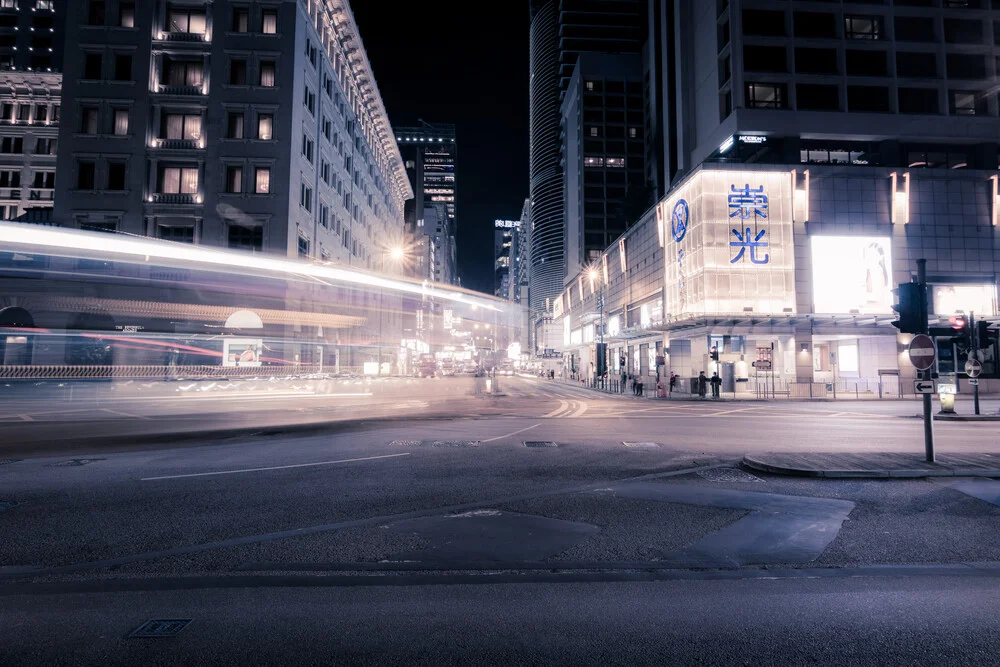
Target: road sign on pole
{"x": 973, "y": 367}
{"x": 922, "y": 352}
{"x": 923, "y": 387}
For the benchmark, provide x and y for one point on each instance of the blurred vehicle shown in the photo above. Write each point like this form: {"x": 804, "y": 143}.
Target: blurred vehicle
{"x": 447, "y": 367}
{"x": 505, "y": 369}
{"x": 426, "y": 366}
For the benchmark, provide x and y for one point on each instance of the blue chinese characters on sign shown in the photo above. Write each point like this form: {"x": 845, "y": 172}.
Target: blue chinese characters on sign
{"x": 680, "y": 219}
{"x": 749, "y": 204}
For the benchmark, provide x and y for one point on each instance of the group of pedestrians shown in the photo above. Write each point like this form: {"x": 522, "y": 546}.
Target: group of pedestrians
{"x": 703, "y": 383}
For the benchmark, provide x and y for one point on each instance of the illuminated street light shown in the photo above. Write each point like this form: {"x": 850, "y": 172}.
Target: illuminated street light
{"x": 396, "y": 253}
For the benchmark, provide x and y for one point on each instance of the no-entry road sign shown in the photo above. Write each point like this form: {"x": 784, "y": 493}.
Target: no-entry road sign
{"x": 922, "y": 352}
{"x": 973, "y": 367}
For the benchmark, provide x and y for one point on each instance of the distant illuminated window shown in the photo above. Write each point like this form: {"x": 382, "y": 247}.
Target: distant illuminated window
{"x": 617, "y": 162}
{"x": 593, "y": 162}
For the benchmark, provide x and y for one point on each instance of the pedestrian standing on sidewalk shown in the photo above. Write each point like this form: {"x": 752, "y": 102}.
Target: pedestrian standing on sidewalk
{"x": 673, "y": 382}
{"x": 621, "y": 388}
{"x": 702, "y": 384}
{"x": 716, "y": 385}
{"x": 638, "y": 386}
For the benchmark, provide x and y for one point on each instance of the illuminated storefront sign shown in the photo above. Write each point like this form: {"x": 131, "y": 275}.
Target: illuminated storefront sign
{"x": 752, "y": 139}
{"x": 966, "y": 298}
{"x": 730, "y": 245}
{"x": 852, "y": 274}
{"x": 507, "y": 224}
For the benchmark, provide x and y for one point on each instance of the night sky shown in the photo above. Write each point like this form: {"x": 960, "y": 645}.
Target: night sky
{"x": 440, "y": 62}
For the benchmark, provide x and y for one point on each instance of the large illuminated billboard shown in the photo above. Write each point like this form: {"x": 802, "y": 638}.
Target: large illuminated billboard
{"x": 728, "y": 244}
{"x": 852, "y": 274}
{"x": 980, "y": 299}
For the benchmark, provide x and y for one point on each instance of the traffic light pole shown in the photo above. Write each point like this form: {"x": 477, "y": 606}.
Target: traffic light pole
{"x": 974, "y": 353}
{"x": 925, "y": 375}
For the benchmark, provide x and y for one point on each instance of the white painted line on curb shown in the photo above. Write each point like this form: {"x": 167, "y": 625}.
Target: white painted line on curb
{"x": 501, "y": 437}
{"x": 297, "y": 465}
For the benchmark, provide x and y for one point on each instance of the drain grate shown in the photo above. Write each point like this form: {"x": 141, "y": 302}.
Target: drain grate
{"x": 539, "y": 443}
{"x": 73, "y": 462}
{"x": 727, "y": 475}
{"x": 404, "y": 443}
{"x": 161, "y": 627}
{"x": 4, "y": 462}
{"x": 455, "y": 443}
{"x": 641, "y": 445}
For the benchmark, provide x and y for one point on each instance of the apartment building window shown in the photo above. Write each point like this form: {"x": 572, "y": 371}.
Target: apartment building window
{"x": 868, "y": 98}
{"x": 268, "y": 69}
{"x": 920, "y": 65}
{"x": 816, "y": 97}
{"x": 766, "y": 22}
{"x": 42, "y": 5}
{"x": 85, "y": 172}
{"x": 965, "y": 66}
{"x": 95, "y": 12}
{"x": 311, "y": 52}
{"x": 7, "y": 112}
{"x": 246, "y": 238}
{"x": 764, "y": 59}
{"x": 309, "y": 100}
{"x": 327, "y": 129}
{"x": 126, "y": 14}
{"x": 816, "y": 61}
{"x": 967, "y": 103}
{"x": 863, "y": 27}
{"x": 10, "y": 179}
{"x": 241, "y": 19}
{"x": 123, "y": 67}
{"x": 45, "y": 146}
{"x": 766, "y": 96}
{"x": 120, "y": 128}
{"x": 238, "y": 72}
{"x": 328, "y": 86}
{"x": 262, "y": 180}
{"x": 324, "y": 216}
{"x": 177, "y": 72}
{"x": 918, "y": 100}
{"x": 325, "y": 171}
{"x": 234, "y": 125}
{"x": 93, "y": 66}
{"x": 24, "y": 113}
{"x": 307, "y": 148}
{"x": 866, "y": 63}
{"x": 963, "y": 31}
{"x": 176, "y": 233}
{"x": 305, "y": 197}
{"x": 56, "y": 110}
{"x": 116, "y": 175}
{"x": 915, "y": 29}
{"x": 41, "y": 113}
{"x": 183, "y": 126}
{"x": 186, "y": 19}
{"x": 815, "y": 24}
{"x": 89, "y": 120}
{"x": 269, "y": 21}
{"x": 303, "y": 246}
{"x": 179, "y": 180}
{"x": 234, "y": 179}
{"x": 265, "y": 126}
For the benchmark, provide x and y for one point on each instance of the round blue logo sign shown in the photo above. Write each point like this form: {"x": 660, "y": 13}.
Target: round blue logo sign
{"x": 679, "y": 220}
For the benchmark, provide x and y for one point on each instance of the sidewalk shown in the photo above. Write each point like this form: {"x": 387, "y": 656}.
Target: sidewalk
{"x": 849, "y": 465}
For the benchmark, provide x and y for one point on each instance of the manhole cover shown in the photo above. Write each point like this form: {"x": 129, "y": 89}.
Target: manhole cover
{"x": 641, "y": 445}
{"x": 4, "y": 462}
{"x": 539, "y": 443}
{"x": 455, "y": 443}
{"x": 74, "y": 462}
{"x": 404, "y": 443}
{"x": 727, "y": 475}
{"x": 161, "y": 627}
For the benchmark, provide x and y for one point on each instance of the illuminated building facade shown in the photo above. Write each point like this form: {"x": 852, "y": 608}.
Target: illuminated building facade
{"x": 430, "y": 153}
{"x": 255, "y": 126}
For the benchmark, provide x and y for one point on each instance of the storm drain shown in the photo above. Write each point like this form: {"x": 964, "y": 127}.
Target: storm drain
{"x": 161, "y": 627}
{"x": 727, "y": 475}
{"x": 455, "y": 443}
{"x": 641, "y": 445}
{"x": 73, "y": 462}
{"x": 539, "y": 443}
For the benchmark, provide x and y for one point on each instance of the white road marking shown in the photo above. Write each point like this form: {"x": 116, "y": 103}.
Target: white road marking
{"x": 580, "y": 410}
{"x": 123, "y": 414}
{"x": 297, "y": 465}
{"x": 501, "y": 437}
{"x": 562, "y": 406}
{"x": 27, "y": 418}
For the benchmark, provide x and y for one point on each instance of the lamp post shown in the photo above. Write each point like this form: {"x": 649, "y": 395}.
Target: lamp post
{"x": 602, "y": 360}
{"x": 396, "y": 254}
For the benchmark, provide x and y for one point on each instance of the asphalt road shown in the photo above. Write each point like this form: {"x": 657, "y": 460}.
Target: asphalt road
{"x": 548, "y": 525}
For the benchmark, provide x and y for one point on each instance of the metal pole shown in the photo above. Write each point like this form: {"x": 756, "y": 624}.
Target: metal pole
{"x": 774, "y": 395}
{"x": 926, "y": 375}
{"x": 380, "y": 296}
{"x": 974, "y": 353}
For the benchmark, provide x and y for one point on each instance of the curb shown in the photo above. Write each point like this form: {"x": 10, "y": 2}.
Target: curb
{"x": 904, "y": 473}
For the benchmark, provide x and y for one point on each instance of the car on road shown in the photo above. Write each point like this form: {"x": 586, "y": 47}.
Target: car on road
{"x": 426, "y": 366}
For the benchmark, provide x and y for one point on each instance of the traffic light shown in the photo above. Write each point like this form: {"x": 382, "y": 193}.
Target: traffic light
{"x": 962, "y": 331}
{"x": 911, "y": 304}
{"x": 715, "y": 353}
{"x": 983, "y": 339}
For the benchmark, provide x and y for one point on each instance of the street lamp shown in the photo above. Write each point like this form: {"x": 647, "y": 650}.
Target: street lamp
{"x": 396, "y": 253}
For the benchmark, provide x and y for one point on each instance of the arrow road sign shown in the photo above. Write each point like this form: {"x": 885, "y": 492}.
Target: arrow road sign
{"x": 973, "y": 367}
{"x": 973, "y": 381}
{"x": 922, "y": 352}
{"x": 923, "y": 387}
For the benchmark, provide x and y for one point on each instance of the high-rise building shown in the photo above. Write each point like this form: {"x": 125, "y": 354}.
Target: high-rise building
{"x": 31, "y": 56}
{"x": 562, "y": 30}
{"x": 430, "y": 153}
{"x": 255, "y": 126}
{"x": 603, "y": 154}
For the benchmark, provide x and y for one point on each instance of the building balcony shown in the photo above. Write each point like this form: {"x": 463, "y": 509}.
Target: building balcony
{"x": 164, "y": 89}
{"x": 177, "y": 144}
{"x": 174, "y": 198}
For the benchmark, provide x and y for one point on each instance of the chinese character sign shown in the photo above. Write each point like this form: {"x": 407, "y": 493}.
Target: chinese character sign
{"x": 749, "y": 205}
